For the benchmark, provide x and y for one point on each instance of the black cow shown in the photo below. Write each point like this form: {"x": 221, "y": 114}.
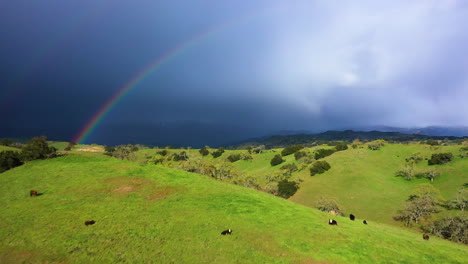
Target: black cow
{"x": 87, "y": 223}
{"x": 32, "y": 193}
{"x": 226, "y": 232}
{"x": 332, "y": 222}
{"x": 426, "y": 237}
{"x": 364, "y": 222}
{"x": 352, "y": 217}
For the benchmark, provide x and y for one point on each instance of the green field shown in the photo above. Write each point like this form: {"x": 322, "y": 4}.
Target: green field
{"x": 150, "y": 214}
{"x": 6, "y": 148}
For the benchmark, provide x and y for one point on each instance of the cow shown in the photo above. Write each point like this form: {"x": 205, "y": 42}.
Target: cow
{"x": 426, "y": 237}
{"x": 332, "y": 222}
{"x": 87, "y": 223}
{"x": 32, "y": 193}
{"x": 364, "y": 222}
{"x": 332, "y": 212}
{"x": 226, "y": 232}
{"x": 352, "y": 217}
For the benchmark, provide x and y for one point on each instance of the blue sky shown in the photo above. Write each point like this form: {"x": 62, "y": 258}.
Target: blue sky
{"x": 266, "y": 66}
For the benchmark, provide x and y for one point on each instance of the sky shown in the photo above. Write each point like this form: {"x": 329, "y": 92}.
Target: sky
{"x": 211, "y": 72}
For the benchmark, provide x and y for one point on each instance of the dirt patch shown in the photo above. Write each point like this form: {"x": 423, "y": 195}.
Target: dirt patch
{"x": 91, "y": 149}
{"x": 127, "y": 184}
{"x": 160, "y": 193}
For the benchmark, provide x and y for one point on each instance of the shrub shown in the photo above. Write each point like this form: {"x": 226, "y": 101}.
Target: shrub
{"x": 234, "y": 157}
{"x": 322, "y": 153}
{"x": 218, "y": 152}
{"x": 109, "y": 150}
{"x": 376, "y": 144}
{"x": 327, "y": 205}
{"x": 341, "y": 147}
{"x": 291, "y": 149}
{"x": 432, "y": 142}
{"x": 451, "y": 228}
{"x": 440, "y": 158}
{"x": 204, "y": 151}
{"x": 162, "y": 152}
{"x": 319, "y": 167}
{"x": 6, "y": 142}
{"x": 277, "y": 159}
{"x": 180, "y": 156}
{"x": 38, "y": 148}
{"x": 300, "y": 154}
{"x": 9, "y": 159}
{"x": 287, "y": 188}
{"x": 415, "y": 157}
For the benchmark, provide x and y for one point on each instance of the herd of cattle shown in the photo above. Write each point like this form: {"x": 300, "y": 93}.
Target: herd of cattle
{"x": 229, "y": 231}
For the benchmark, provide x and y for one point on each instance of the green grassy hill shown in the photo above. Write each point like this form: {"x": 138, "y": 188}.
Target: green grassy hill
{"x": 361, "y": 180}
{"x": 150, "y": 214}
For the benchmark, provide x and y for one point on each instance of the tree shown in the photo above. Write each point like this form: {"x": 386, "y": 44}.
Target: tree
{"x": 430, "y": 174}
{"x": 460, "y": 202}
{"x": 440, "y": 158}
{"x": 341, "y": 147}
{"x": 234, "y": 157}
{"x": 291, "y": 149}
{"x": 289, "y": 169}
{"x": 451, "y": 228}
{"x": 376, "y": 144}
{"x": 277, "y": 159}
{"x": 218, "y": 152}
{"x": 319, "y": 167}
{"x": 204, "y": 151}
{"x": 259, "y": 149}
{"x": 407, "y": 172}
{"x": 109, "y": 150}
{"x": 9, "y": 159}
{"x": 180, "y": 156}
{"x": 322, "y": 153}
{"x": 124, "y": 152}
{"x": 327, "y": 205}
{"x": 70, "y": 146}
{"x": 420, "y": 205}
{"x": 287, "y": 188}
{"x": 37, "y": 148}
{"x": 300, "y": 154}
{"x": 6, "y": 142}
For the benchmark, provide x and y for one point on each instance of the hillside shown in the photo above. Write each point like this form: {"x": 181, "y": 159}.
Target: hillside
{"x": 150, "y": 214}
{"x": 347, "y": 136}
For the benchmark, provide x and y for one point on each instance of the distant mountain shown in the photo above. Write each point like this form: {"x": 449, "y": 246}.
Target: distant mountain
{"x": 326, "y": 137}
{"x": 456, "y": 131}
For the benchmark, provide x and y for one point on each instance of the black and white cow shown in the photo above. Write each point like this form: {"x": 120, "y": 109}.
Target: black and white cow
{"x": 332, "y": 222}
{"x": 226, "y": 232}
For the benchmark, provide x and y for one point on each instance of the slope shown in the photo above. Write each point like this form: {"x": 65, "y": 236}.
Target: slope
{"x": 149, "y": 214}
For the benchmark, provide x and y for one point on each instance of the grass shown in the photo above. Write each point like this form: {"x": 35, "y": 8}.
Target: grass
{"x": 150, "y": 214}
{"x": 6, "y": 148}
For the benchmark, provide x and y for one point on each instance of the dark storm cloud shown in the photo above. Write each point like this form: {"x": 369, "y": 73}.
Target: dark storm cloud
{"x": 266, "y": 66}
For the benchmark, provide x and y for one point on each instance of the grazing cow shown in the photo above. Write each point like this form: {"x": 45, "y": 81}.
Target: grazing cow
{"x": 352, "y": 217}
{"x": 32, "y": 193}
{"x": 426, "y": 237}
{"x": 332, "y": 222}
{"x": 87, "y": 223}
{"x": 364, "y": 222}
{"x": 226, "y": 232}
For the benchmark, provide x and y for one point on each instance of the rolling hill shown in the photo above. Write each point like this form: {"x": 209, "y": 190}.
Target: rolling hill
{"x": 150, "y": 214}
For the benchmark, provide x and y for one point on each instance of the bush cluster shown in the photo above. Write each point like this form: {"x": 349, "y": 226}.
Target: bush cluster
{"x": 291, "y": 149}
{"x": 217, "y": 153}
{"x": 322, "y": 153}
{"x": 287, "y": 188}
{"x": 277, "y": 159}
{"x": 319, "y": 167}
{"x": 9, "y": 159}
{"x": 440, "y": 158}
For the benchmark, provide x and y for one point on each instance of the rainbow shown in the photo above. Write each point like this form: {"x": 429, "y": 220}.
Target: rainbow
{"x": 92, "y": 124}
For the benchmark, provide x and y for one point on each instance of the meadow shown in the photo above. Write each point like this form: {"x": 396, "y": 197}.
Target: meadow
{"x": 147, "y": 213}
